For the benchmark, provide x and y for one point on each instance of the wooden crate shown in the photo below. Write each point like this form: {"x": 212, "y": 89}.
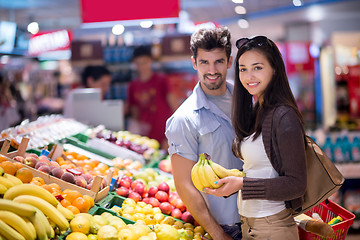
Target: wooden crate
{"x": 94, "y": 192}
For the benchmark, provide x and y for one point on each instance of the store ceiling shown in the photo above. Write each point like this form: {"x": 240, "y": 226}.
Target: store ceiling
{"x": 58, "y": 14}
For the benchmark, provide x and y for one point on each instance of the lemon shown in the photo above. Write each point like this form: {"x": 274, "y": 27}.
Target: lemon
{"x": 140, "y": 229}
{"x": 80, "y": 224}
{"x": 166, "y": 232}
{"x": 92, "y": 237}
{"x": 107, "y": 232}
{"x": 127, "y": 234}
{"x": 76, "y": 236}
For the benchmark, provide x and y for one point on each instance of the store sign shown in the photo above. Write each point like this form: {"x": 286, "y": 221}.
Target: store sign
{"x": 49, "y": 41}
{"x": 94, "y": 11}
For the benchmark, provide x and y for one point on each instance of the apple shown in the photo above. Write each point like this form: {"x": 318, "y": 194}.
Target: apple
{"x": 124, "y": 183}
{"x": 162, "y": 196}
{"x": 154, "y": 202}
{"x": 139, "y": 188}
{"x": 165, "y": 207}
{"x": 122, "y": 191}
{"x": 146, "y": 200}
{"x": 164, "y": 187}
{"x": 31, "y": 161}
{"x": 165, "y": 165}
{"x": 135, "y": 196}
{"x": 152, "y": 191}
{"x": 134, "y": 183}
{"x": 180, "y": 205}
{"x": 187, "y": 217}
{"x": 176, "y": 213}
{"x": 126, "y": 178}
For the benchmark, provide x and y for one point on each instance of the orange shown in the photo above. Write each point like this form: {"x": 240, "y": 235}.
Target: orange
{"x": 82, "y": 204}
{"x": 55, "y": 191}
{"x": 3, "y": 159}
{"x": 72, "y": 195}
{"x": 65, "y": 203}
{"x": 72, "y": 154}
{"x": 74, "y": 209}
{"x": 9, "y": 167}
{"x": 47, "y": 187}
{"x": 18, "y": 165}
{"x": 24, "y": 174}
{"x": 81, "y": 157}
{"x": 39, "y": 180}
{"x": 90, "y": 200}
{"x": 55, "y": 185}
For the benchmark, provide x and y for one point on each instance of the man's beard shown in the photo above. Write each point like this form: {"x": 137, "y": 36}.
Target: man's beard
{"x": 213, "y": 86}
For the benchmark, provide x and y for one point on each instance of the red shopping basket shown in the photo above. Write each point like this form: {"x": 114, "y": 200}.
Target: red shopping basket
{"x": 327, "y": 210}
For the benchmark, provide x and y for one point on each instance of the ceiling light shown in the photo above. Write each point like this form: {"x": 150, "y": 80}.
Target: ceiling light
{"x": 33, "y": 28}
{"x": 297, "y": 3}
{"x": 238, "y": 1}
{"x": 118, "y": 29}
{"x": 243, "y": 23}
{"x": 240, "y": 10}
{"x": 146, "y": 24}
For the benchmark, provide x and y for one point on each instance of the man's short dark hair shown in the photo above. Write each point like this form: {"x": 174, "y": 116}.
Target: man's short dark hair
{"x": 211, "y": 38}
{"x": 142, "y": 51}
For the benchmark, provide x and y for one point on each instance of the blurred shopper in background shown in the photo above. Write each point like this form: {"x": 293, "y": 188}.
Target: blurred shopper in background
{"x": 270, "y": 140}
{"x": 96, "y": 77}
{"x": 150, "y": 101}
{"x": 91, "y": 77}
{"x": 9, "y": 112}
{"x": 202, "y": 124}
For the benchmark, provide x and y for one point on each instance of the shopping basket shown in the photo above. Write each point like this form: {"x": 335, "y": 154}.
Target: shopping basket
{"x": 327, "y": 210}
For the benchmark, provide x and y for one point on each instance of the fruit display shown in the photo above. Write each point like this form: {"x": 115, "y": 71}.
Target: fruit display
{"x": 29, "y": 212}
{"x": 64, "y": 194}
{"x": 205, "y": 173}
{"x": 44, "y": 130}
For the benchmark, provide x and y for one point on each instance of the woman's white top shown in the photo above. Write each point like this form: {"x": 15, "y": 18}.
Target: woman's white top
{"x": 257, "y": 165}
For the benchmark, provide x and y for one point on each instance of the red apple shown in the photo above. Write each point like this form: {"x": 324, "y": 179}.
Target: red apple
{"x": 126, "y": 178}
{"x": 165, "y": 165}
{"x": 139, "y": 188}
{"x": 122, "y": 191}
{"x": 165, "y": 208}
{"x": 162, "y": 196}
{"x": 134, "y": 183}
{"x": 154, "y": 202}
{"x": 176, "y": 213}
{"x": 164, "y": 187}
{"x": 146, "y": 200}
{"x": 135, "y": 196}
{"x": 180, "y": 205}
{"x": 124, "y": 183}
{"x": 152, "y": 191}
{"x": 186, "y": 217}
{"x": 30, "y": 161}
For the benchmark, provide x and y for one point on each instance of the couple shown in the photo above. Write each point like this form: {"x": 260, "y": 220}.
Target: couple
{"x": 253, "y": 125}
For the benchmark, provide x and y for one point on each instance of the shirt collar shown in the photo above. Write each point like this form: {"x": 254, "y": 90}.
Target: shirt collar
{"x": 201, "y": 100}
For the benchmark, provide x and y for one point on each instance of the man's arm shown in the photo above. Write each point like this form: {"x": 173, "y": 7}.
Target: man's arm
{"x": 195, "y": 203}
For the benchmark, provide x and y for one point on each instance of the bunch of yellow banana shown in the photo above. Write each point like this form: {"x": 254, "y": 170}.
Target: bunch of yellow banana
{"x": 28, "y": 212}
{"x": 205, "y": 173}
{"x": 7, "y": 181}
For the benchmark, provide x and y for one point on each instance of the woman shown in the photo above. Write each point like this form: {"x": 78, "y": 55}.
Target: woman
{"x": 269, "y": 139}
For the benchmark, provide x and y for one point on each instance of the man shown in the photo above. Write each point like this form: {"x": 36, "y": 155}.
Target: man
{"x": 202, "y": 124}
{"x": 150, "y": 102}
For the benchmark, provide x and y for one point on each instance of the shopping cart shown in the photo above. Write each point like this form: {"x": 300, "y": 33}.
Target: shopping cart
{"x": 327, "y": 210}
